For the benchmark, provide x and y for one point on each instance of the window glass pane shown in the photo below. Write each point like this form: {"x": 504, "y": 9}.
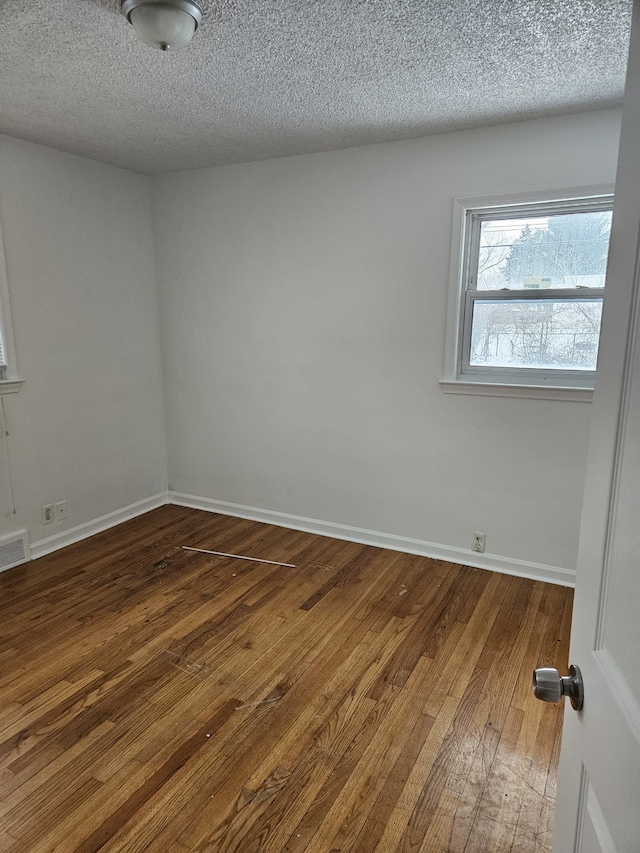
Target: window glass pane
{"x": 536, "y": 333}
{"x": 3, "y": 360}
{"x": 532, "y": 252}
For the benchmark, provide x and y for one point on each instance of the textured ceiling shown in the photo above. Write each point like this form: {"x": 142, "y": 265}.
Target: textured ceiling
{"x": 270, "y": 78}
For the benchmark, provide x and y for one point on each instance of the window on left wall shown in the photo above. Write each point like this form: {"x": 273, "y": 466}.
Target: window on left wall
{"x": 10, "y": 381}
{"x": 3, "y": 357}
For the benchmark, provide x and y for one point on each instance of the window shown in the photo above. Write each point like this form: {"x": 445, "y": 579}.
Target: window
{"x": 529, "y": 293}
{"x": 9, "y": 381}
{"x": 3, "y": 361}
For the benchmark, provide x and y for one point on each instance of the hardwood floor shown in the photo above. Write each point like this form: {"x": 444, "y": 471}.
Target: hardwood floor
{"x": 161, "y": 700}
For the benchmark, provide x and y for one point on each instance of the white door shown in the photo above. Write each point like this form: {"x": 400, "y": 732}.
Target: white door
{"x": 598, "y": 808}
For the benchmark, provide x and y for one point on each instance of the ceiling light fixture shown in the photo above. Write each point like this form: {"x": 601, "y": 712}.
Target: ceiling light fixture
{"x": 165, "y": 24}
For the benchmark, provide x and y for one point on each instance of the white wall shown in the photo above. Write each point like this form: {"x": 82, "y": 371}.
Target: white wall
{"x": 303, "y": 306}
{"x": 87, "y": 426}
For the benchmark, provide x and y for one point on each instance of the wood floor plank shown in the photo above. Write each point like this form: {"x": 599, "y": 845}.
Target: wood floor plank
{"x": 351, "y": 677}
{"x": 156, "y": 700}
{"x": 460, "y": 663}
{"x": 320, "y": 726}
{"x": 331, "y": 737}
{"x": 7, "y": 843}
{"x": 250, "y": 737}
{"x": 341, "y": 805}
{"x": 18, "y": 787}
{"x": 163, "y": 774}
{"x": 496, "y": 818}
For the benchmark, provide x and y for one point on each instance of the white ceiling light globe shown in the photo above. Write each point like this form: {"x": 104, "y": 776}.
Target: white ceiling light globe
{"x": 164, "y": 24}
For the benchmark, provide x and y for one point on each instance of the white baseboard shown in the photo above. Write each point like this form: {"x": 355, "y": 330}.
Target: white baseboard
{"x": 82, "y": 531}
{"x": 493, "y": 562}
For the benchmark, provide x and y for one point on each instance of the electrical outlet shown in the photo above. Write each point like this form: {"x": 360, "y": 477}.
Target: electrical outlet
{"x": 47, "y": 514}
{"x": 61, "y": 510}
{"x": 479, "y": 540}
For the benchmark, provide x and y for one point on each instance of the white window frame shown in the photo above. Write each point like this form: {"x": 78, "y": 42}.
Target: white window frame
{"x": 11, "y": 383}
{"x": 459, "y": 377}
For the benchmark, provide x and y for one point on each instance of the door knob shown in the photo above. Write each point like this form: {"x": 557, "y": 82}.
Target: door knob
{"x": 550, "y": 686}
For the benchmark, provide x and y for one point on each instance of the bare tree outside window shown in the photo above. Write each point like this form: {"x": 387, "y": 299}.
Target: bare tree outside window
{"x": 538, "y": 255}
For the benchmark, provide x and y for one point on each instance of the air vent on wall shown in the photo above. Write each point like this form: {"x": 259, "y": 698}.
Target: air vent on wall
{"x": 14, "y": 549}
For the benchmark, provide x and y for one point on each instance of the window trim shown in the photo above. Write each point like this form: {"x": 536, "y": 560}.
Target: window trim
{"x": 12, "y": 383}
{"x": 509, "y": 382}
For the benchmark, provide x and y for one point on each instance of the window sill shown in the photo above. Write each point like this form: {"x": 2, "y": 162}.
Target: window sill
{"x": 499, "y": 389}
{"x": 10, "y": 386}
